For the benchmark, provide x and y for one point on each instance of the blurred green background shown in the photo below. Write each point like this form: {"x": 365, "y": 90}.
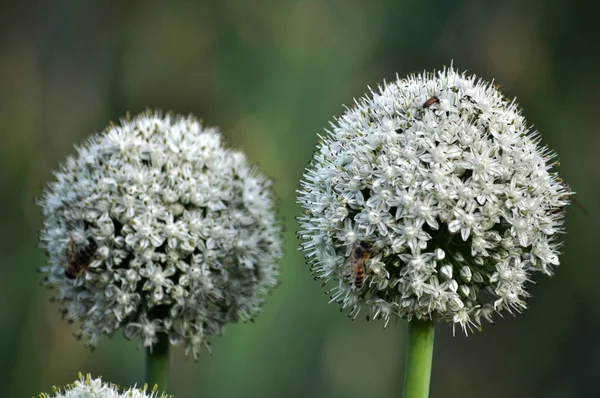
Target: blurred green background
{"x": 272, "y": 74}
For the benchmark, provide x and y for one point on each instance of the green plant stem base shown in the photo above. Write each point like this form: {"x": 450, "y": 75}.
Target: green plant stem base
{"x": 419, "y": 356}
{"x": 157, "y": 363}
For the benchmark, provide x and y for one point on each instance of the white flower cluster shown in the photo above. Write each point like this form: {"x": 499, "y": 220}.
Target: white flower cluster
{"x": 86, "y": 387}
{"x": 448, "y": 188}
{"x": 155, "y": 227}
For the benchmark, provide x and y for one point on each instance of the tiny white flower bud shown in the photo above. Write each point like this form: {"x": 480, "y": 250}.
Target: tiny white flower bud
{"x": 465, "y": 290}
{"x": 439, "y": 254}
{"x": 446, "y": 271}
{"x": 453, "y": 285}
{"x": 465, "y": 274}
{"x": 455, "y": 304}
{"x": 477, "y": 278}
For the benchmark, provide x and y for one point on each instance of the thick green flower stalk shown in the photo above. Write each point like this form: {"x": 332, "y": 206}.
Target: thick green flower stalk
{"x": 431, "y": 199}
{"x": 156, "y": 228}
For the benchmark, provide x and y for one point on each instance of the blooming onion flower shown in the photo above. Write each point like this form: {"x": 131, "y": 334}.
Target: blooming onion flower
{"x": 155, "y": 227}
{"x": 440, "y": 175}
{"x": 86, "y": 387}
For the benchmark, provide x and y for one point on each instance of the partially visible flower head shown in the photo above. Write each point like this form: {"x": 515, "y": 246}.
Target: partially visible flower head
{"x": 155, "y": 227}
{"x": 86, "y": 387}
{"x": 441, "y": 180}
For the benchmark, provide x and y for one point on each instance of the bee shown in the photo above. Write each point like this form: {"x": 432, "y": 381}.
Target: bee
{"x": 431, "y": 101}
{"x": 79, "y": 259}
{"x": 356, "y": 262}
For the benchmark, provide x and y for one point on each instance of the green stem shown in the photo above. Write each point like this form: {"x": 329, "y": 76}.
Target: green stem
{"x": 157, "y": 363}
{"x": 419, "y": 355}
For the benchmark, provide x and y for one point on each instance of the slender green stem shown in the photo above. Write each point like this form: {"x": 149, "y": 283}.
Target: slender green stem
{"x": 157, "y": 363}
{"x": 419, "y": 355}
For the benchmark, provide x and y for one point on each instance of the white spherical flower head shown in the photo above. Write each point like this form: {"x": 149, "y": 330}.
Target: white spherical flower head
{"x": 87, "y": 387}
{"x": 155, "y": 227}
{"x": 432, "y": 199}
